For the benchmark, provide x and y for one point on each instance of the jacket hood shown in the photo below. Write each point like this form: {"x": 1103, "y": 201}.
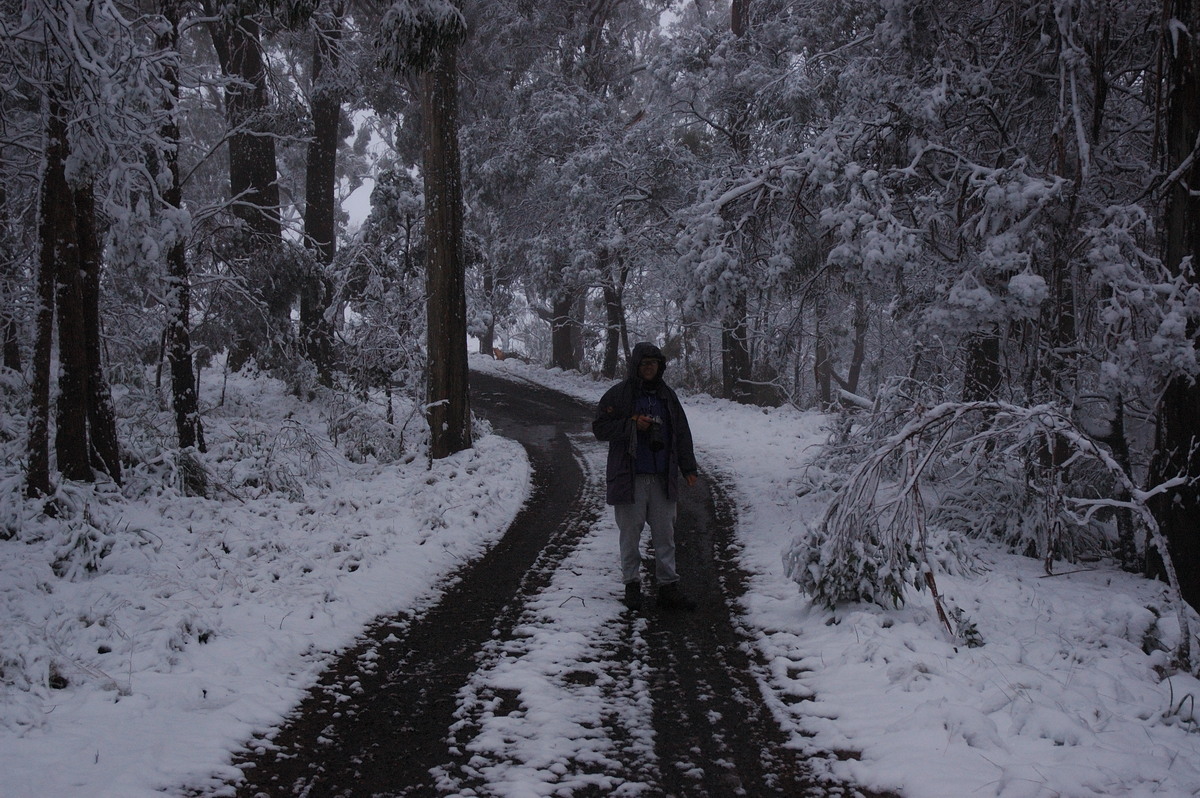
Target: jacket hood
{"x": 643, "y": 351}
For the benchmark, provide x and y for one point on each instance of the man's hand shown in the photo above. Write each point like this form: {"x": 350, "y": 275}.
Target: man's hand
{"x": 643, "y": 422}
{"x": 691, "y": 480}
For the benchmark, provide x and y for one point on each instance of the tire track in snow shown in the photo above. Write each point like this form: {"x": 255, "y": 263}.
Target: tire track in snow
{"x": 719, "y": 739}
{"x": 376, "y": 722}
{"x": 562, "y": 706}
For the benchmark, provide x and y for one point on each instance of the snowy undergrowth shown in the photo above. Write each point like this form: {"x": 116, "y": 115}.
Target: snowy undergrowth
{"x": 1069, "y": 695}
{"x": 190, "y": 623}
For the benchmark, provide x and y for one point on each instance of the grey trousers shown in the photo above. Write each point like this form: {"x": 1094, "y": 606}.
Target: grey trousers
{"x": 650, "y": 504}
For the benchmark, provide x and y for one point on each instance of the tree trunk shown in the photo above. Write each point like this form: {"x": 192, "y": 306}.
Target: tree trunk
{"x": 56, "y": 229}
{"x": 320, "y": 232}
{"x": 562, "y": 351}
{"x": 616, "y": 330}
{"x": 71, "y": 412}
{"x": 982, "y": 375}
{"x": 253, "y": 185}
{"x": 71, "y": 444}
{"x": 612, "y": 332}
{"x": 740, "y": 17}
{"x": 1118, "y": 441}
{"x": 823, "y": 371}
{"x": 179, "y": 280}
{"x": 1177, "y": 437}
{"x": 578, "y": 325}
{"x": 252, "y": 161}
{"x": 487, "y": 339}
{"x": 562, "y": 332}
{"x": 735, "y": 344}
{"x": 861, "y": 325}
{"x": 104, "y": 451}
{"x": 735, "y": 355}
{"x": 445, "y": 280}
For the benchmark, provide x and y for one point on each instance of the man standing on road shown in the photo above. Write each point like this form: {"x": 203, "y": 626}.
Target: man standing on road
{"x": 649, "y": 448}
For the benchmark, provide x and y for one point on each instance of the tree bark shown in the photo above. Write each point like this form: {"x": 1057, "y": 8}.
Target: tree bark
{"x": 179, "y": 346}
{"x": 12, "y": 345}
{"x": 612, "y": 331}
{"x": 252, "y": 159}
{"x": 320, "y": 231}
{"x": 735, "y": 354}
{"x": 104, "y": 451}
{"x": 861, "y": 325}
{"x": 71, "y": 411}
{"x": 55, "y": 229}
{"x": 1177, "y": 436}
{"x": 982, "y": 375}
{"x": 735, "y": 344}
{"x": 487, "y": 339}
{"x": 616, "y": 330}
{"x": 562, "y": 332}
{"x": 823, "y": 371}
{"x": 578, "y": 325}
{"x": 740, "y": 17}
{"x": 449, "y": 411}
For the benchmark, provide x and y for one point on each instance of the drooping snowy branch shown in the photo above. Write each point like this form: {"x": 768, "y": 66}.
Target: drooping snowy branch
{"x": 871, "y": 543}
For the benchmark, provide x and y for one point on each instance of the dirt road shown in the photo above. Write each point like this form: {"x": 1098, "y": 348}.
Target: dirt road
{"x": 445, "y": 702}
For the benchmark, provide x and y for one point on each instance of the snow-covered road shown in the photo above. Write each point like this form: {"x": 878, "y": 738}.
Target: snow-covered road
{"x": 530, "y": 677}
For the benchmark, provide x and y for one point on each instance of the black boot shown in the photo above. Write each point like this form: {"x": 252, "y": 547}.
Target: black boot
{"x": 633, "y": 595}
{"x": 670, "y": 597}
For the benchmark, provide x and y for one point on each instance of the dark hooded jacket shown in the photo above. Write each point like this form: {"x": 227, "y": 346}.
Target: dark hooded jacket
{"x": 614, "y": 423}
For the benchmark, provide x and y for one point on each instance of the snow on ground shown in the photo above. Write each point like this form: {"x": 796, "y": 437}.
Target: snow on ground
{"x": 1060, "y": 701}
{"x": 208, "y": 619}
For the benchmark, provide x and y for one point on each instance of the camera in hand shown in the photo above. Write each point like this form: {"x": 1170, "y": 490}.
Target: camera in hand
{"x": 658, "y": 435}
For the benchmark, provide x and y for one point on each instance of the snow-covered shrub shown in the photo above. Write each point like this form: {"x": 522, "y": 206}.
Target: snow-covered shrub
{"x": 480, "y": 427}
{"x": 361, "y": 434}
{"x": 145, "y": 424}
{"x": 855, "y": 434}
{"x": 1025, "y": 507}
{"x": 836, "y": 572}
{"x": 80, "y": 551}
{"x": 78, "y": 528}
{"x": 259, "y": 461}
{"x": 875, "y": 534}
{"x": 13, "y": 403}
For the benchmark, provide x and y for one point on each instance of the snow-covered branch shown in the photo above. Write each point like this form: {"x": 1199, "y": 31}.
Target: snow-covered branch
{"x": 871, "y": 542}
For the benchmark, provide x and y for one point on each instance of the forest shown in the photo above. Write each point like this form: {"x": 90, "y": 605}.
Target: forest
{"x": 966, "y": 229}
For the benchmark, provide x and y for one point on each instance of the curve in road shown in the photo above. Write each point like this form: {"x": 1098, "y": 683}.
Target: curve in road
{"x": 678, "y": 699}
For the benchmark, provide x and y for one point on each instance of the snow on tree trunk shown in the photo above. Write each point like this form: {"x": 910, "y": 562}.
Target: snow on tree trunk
{"x": 179, "y": 346}
{"x": 320, "y": 202}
